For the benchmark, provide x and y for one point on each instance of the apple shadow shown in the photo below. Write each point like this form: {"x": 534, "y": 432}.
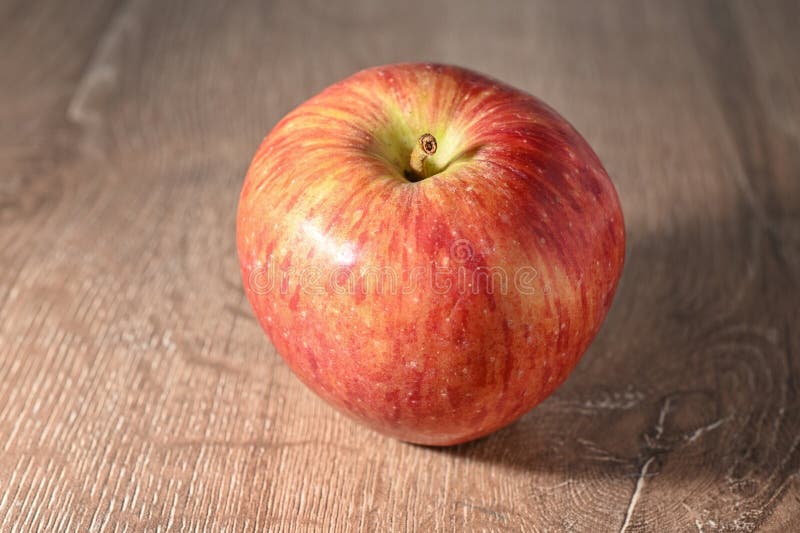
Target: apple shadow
{"x": 681, "y": 378}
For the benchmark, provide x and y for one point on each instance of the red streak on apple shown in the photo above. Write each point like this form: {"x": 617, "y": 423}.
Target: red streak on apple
{"x": 386, "y": 295}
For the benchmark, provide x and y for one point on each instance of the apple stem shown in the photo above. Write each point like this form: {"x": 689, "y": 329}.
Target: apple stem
{"x": 426, "y": 145}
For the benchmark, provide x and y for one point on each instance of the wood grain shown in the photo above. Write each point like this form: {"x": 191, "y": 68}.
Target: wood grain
{"x": 138, "y": 393}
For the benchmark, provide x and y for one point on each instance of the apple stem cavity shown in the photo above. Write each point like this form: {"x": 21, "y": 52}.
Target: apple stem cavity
{"x": 425, "y": 146}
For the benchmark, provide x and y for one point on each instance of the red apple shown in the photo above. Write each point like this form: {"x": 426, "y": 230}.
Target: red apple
{"x": 430, "y": 250}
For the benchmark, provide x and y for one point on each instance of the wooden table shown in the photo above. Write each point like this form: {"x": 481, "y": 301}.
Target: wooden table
{"x": 137, "y": 392}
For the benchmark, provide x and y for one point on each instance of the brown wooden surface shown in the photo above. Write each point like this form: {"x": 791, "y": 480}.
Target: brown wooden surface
{"x": 138, "y": 393}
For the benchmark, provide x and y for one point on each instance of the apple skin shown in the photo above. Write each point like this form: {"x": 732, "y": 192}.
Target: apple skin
{"x": 513, "y": 187}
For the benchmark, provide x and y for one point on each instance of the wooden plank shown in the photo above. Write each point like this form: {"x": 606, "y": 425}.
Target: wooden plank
{"x": 138, "y": 393}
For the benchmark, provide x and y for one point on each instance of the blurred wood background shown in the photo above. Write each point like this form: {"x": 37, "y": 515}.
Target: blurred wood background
{"x": 138, "y": 393}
